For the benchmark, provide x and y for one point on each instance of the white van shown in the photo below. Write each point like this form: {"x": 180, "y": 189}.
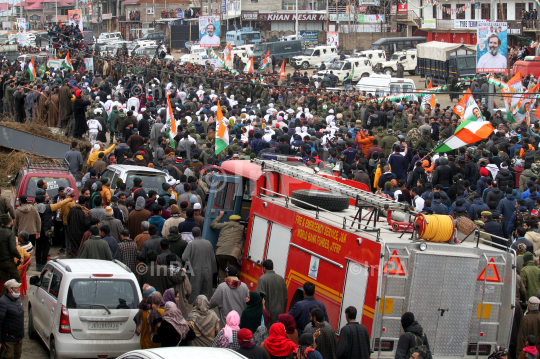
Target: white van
{"x": 108, "y": 37}
{"x": 362, "y": 68}
{"x": 375, "y": 56}
{"x": 138, "y": 44}
{"x": 313, "y": 55}
{"x": 193, "y": 59}
{"x": 196, "y": 49}
{"x": 384, "y": 85}
{"x": 247, "y": 48}
{"x": 407, "y": 58}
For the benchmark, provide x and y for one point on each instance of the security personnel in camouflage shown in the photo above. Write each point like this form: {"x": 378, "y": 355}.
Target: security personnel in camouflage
{"x": 426, "y": 139}
{"x": 380, "y": 134}
{"x": 387, "y": 142}
{"x": 400, "y": 118}
{"x": 535, "y": 167}
{"x": 502, "y": 153}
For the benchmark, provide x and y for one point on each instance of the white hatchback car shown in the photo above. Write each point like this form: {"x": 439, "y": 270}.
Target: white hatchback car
{"x": 184, "y": 353}
{"x": 84, "y": 308}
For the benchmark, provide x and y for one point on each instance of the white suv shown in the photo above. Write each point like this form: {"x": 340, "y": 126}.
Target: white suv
{"x": 84, "y": 308}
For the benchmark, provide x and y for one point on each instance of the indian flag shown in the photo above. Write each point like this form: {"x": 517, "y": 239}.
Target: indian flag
{"x": 428, "y": 99}
{"x": 513, "y": 86}
{"x": 67, "y": 63}
{"x": 468, "y": 132}
{"x": 222, "y": 133}
{"x": 172, "y": 132}
{"x": 227, "y": 55}
{"x": 249, "y": 66}
{"x": 534, "y": 44}
{"x": 282, "y": 70}
{"x": 524, "y": 105}
{"x": 264, "y": 63}
{"x": 31, "y": 70}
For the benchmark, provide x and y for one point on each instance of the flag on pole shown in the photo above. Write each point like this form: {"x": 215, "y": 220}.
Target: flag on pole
{"x": 513, "y": 86}
{"x": 264, "y": 63}
{"x": 282, "y": 70}
{"x": 31, "y": 70}
{"x": 350, "y": 77}
{"x": 227, "y": 56}
{"x": 249, "y": 66}
{"x": 534, "y": 44}
{"x": 468, "y": 132}
{"x": 42, "y": 68}
{"x": 428, "y": 99}
{"x": 67, "y": 63}
{"x": 170, "y": 128}
{"x": 222, "y": 133}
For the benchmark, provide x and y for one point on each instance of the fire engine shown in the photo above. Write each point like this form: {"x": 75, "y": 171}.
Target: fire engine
{"x": 460, "y": 288}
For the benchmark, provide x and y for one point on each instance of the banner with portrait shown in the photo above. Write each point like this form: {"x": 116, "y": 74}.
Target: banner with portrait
{"x": 209, "y": 31}
{"x": 75, "y": 18}
{"x": 491, "y": 47}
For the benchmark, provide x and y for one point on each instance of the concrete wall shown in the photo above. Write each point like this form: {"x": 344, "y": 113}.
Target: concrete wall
{"x": 350, "y": 42}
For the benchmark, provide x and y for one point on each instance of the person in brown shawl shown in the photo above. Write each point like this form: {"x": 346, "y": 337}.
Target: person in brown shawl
{"x": 43, "y": 109}
{"x": 54, "y": 106}
{"x": 66, "y": 105}
{"x": 78, "y": 221}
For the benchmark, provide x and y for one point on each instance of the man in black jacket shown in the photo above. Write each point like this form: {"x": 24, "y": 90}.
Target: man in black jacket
{"x": 12, "y": 319}
{"x": 353, "y": 338}
{"x": 412, "y": 337}
{"x": 8, "y": 249}
{"x": 442, "y": 173}
{"x": 492, "y": 227}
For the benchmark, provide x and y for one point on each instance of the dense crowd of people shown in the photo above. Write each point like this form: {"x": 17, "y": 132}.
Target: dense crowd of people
{"x": 385, "y": 145}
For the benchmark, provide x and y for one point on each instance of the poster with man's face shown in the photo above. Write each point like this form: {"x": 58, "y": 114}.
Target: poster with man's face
{"x": 491, "y": 47}
{"x": 209, "y": 31}
{"x": 75, "y": 18}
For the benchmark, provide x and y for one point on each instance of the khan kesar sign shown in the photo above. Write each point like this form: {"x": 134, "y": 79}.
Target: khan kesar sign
{"x": 292, "y": 17}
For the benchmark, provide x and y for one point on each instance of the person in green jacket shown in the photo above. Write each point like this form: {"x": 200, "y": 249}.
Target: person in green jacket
{"x": 529, "y": 274}
{"x": 8, "y": 98}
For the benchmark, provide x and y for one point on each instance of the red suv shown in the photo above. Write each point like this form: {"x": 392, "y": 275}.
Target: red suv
{"x": 54, "y": 171}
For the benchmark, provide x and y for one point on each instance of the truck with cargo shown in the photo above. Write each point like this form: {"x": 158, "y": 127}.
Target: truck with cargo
{"x": 440, "y": 60}
{"x": 460, "y": 287}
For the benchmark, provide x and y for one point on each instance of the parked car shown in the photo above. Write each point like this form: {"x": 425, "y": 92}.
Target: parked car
{"x": 313, "y": 55}
{"x": 108, "y": 37}
{"x": 73, "y": 306}
{"x": 184, "y": 353}
{"x": 54, "y": 171}
{"x": 152, "y": 178}
{"x": 155, "y": 36}
{"x": 326, "y": 62}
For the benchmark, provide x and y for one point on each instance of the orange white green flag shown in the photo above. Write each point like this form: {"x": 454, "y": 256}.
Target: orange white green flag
{"x": 468, "y": 132}
{"x": 282, "y": 70}
{"x": 222, "y": 132}
{"x": 428, "y": 98}
{"x": 31, "y": 70}
{"x": 67, "y": 63}
{"x": 249, "y": 66}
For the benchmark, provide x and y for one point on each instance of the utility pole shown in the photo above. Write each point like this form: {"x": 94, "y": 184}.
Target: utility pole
{"x": 296, "y": 24}
{"x": 327, "y": 17}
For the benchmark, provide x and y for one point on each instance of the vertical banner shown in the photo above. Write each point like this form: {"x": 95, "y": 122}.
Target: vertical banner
{"x": 209, "y": 31}
{"x": 332, "y": 38}
{"x": 21, "y": 31}
{"x": 75, "y": 18}
{"x": 491, "y": 47}
{"x": 89, "y": 64}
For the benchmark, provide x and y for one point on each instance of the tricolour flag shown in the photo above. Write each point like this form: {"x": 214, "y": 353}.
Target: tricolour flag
{"x": 428, "y": 98}
{"x": 67, "y": 63}
{"x": 31, "y": 70}
{"x": 227, "y": 56}
{"x": 534, "y": 44}
{"x": 514, "y": 86}
{"x": 170, "y": 123}
{"x": 249, "y": 66}
{"x": 468, "y": 132}
{"x": 282, "y": 70}
{"x": 264, "y": 63}
{"x": 523, "y": 108}
{"x": 222, "y": 133}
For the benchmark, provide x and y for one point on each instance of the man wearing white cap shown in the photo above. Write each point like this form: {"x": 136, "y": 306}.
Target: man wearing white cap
{"x": 330, "y": 116}
{"x": 197, "y": 215}
{"x": 12, "y": 319}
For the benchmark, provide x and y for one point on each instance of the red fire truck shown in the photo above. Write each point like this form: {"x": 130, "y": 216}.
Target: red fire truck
{"x": 462, "y": 294}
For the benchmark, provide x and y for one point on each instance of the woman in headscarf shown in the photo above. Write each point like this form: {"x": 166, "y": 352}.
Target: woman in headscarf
{"x": 148, "y": 317}
{"x": 174, "y": 330}
{"x": 205, "y": 322}
{"x": 306, "y": 347}
{"x": 290, "y": 326}
{"x": 170, "y": 295}
{"x": 252, "y": 316}
{"x": 227, "y": 337}
{"x": 277, "y": 345}
{"x": 247, "y": 347}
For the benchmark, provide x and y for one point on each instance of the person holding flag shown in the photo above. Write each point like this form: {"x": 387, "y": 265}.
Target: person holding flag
{"x": 222, "y": 132}
{"x": 248, "y": 69}
{"x": 31, "y": 70}
{"x": 67, "y": 63}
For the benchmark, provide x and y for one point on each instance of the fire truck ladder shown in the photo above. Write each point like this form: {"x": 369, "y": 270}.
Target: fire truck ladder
{"x": 372, "y": 200}
{"x": 382, "y": 300}
{"x": 496, "y": 324}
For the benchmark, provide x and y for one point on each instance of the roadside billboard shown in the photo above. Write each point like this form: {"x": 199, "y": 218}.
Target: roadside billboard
{"x": 491, "y": 47}
{"x": 209, "y": 31}
{"x": 332, "y": 38}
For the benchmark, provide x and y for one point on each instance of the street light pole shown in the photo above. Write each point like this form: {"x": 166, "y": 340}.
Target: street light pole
{"x": 296, "y": 25}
